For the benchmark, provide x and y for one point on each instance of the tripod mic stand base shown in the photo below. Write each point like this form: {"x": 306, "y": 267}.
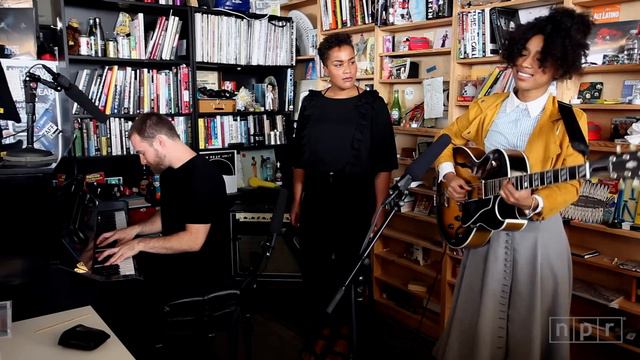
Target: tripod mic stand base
{"x": 29, "y": 157}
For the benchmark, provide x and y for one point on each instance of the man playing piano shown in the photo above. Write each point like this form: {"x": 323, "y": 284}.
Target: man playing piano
{"x": 186, "y": 260}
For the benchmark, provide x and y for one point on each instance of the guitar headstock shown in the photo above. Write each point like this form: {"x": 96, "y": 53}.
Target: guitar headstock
{"x": 626, "y": 165}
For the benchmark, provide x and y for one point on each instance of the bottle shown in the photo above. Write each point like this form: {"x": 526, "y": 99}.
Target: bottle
{"x": 100, "y": 50}
{"x": 396, "y": 110}
{"x": 278, "y": 176}
{"x": 91, "y": 33}
{"x": 145, "y": 180}
{"x": 73, "y": 36}
{"x": 268, "y": 169}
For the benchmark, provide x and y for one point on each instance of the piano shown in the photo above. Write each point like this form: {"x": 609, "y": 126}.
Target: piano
{"x": 90, "y": 219}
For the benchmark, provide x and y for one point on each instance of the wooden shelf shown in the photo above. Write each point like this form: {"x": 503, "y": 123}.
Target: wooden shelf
{"x": 126, "y": 116}
{"x": 608, "y": 339}
{"x": 296, "y": 4}
{"x": 422, "y": 190}
{"x": 463, "y": 103}
{"x": 421, "y": 217}
{"x": 125, "y": 5}
{"x": 351, "y": 30}
{"x": 405, "y": 161}
{"x": 418, "y": 25}
{"x": 607, "y": 107}
{"x": 430, "y": 323}
{"x": 305, "y": 58}
{"x": 604, "y": 229}
{"x": 401, "y": 81}
{"x": 628, "y": 306}
{"x": 482, "y": 60}
{"x": 138, "y": 63}
{"x": 425, "y": 52}
{"x": 220, "y": 66}
{"x": 608, "y": 146}
{"x": 451, "y": 282}
{"x": 604, "y": 262}
{"x": 516, "y": 4}
{"x": 601, "y": 69}
{"x": 396, "y": 284}
{"x": 592, "y": 3}
{"x": 417, "y": 131}
{"x": 394, "y": 234}
{"x": 406, "y": 264}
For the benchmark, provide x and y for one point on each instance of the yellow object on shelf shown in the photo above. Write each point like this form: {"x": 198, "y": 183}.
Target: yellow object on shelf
{"x": 255, "y": 182}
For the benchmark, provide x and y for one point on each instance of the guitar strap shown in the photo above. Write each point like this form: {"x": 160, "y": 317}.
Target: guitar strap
{"x": 576, "y": 137}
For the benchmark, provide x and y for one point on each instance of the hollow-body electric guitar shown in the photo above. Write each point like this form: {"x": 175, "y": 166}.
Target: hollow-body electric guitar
{"x": 470, "y": 223}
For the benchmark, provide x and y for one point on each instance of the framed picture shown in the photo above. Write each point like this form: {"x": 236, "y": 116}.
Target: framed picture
{"x": 225, "y": 162}
{"x": 443, "y": 39}
{"x": 270, "y": 94}
{"x": 18, "y": 29}
{"x": 387, "y": 43}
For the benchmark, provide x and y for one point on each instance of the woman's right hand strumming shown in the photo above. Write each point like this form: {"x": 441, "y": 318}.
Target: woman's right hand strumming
{"x": 456, "y": 187}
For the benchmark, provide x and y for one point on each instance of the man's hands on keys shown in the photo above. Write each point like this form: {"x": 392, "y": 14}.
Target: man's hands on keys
{"x": 126, "y": 250}
{"x": 125, "y": 247}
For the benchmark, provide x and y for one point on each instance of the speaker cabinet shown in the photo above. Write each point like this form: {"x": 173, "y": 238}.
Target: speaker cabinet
{"x": 249, "y": 235}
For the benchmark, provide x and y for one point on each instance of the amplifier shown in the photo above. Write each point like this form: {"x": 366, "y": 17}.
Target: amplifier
{"x": 249, "y": 232}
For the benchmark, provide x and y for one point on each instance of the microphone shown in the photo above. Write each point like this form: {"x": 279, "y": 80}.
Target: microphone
{"x": 75, "y": 94}
{"x": 419, "y": 166}
{"x": 277, "y": 218}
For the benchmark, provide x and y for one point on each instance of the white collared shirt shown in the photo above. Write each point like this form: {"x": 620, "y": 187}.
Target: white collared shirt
{"x": 534, "y": 107}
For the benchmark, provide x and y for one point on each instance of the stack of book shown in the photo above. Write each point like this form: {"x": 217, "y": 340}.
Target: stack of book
{"x": 233, "y": 40}
{"x": 118, "y": 90}
{"x": 92, "y": 138}
{"x": 161, "y": 44}
{"x": 226, "y": 130}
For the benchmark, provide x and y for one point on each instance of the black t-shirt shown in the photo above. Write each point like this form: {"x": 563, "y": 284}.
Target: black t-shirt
{"x": 193, "y": 193}
{"x": 352, "y": 135}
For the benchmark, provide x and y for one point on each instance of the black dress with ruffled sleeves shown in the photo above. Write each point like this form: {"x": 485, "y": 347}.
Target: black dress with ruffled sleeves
{"x": 341, "y": 144}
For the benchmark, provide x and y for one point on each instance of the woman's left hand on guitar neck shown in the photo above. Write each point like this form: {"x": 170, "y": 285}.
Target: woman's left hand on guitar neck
{"x": 520, "y": 198}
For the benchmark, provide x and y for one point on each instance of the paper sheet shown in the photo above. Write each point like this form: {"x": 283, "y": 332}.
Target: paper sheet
{"x": 433, "y": 98}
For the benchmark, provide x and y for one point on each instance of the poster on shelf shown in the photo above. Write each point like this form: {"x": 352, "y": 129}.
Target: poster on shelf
{"x": 48, "y": 118}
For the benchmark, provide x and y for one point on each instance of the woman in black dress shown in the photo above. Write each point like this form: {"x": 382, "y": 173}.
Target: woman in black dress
{"x": 345, "y": 152}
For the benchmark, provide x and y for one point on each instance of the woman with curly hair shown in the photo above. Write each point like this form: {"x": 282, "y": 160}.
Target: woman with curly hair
{"x": 345, "y": 152}
{"x": 508, "y": 290}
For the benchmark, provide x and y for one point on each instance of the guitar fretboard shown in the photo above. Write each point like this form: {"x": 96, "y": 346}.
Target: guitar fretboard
{"x": 538, "y": 179}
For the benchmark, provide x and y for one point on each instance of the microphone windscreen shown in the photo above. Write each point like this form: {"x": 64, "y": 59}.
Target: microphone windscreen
{"x": 419, "y": 167}
{"x": 75, "y": 94}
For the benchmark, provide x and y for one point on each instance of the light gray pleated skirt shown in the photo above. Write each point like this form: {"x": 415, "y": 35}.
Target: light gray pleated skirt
{"x": 505, "y": 294}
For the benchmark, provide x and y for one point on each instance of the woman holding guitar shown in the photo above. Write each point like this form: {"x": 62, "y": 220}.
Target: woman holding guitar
{"x": 507, "y": 290}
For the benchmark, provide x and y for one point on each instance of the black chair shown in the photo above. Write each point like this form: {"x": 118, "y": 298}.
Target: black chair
{"x": 206, "y": 327}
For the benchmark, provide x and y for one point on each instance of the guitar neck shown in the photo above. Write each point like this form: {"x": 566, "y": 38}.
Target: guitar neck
{"x": 538, "y": 179}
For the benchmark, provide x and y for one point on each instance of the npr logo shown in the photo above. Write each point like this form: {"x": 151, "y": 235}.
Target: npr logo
{"x": 585, "y": 329}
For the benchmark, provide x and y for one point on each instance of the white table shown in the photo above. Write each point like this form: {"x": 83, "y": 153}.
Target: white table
{"x": 37, "y": 338}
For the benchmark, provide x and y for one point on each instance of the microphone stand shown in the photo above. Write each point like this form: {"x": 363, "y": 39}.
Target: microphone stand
{"x": 393, "y": 202}
{"x": 30, "y": 156}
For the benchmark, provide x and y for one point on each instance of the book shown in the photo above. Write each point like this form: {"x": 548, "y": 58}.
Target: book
{"x": 417, "y": 286}
{"x": 630, "y": 89}
{"x": 503, "y": 20}
{"x": 583, "y": 252}
{"x": 596, "y": 293}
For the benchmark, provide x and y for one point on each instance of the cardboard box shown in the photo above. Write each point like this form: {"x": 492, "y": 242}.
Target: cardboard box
{"x": 216, "y": 105}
